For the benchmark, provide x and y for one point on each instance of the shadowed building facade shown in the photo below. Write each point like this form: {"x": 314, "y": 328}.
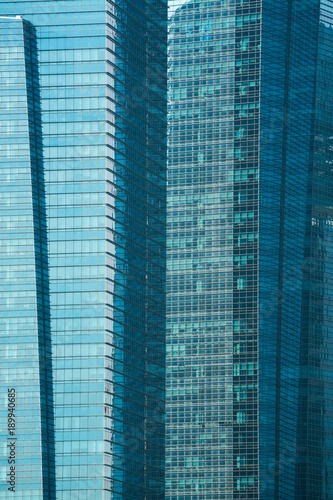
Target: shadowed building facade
{"x": 249, "y": 362}
{"x": 88, "y": 199}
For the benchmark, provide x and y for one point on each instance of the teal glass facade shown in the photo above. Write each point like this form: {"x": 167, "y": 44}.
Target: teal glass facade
{"x": 200, "y": 364}
{"x": 102, "y": 72}
{"x": 27, "y": 427}
{"x": 249, "y": 356}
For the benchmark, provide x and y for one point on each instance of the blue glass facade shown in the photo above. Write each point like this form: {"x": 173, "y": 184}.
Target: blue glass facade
{"x": 201, "y": 222}
{"x": 287, "y": 128}
{"x": 249, "y": 362}
{"x": 314, "y": 466}
{"x": 103, "y": 113}
{"x": 27, "y": 428}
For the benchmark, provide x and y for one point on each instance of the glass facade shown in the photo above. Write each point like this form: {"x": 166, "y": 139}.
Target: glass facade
{"x": 201, "y": 223}
{"x": 27, "y": 429}
{"x": 102, "y": 69}
{"x": 249, "y": 357}
{"x": 315, "y": 464}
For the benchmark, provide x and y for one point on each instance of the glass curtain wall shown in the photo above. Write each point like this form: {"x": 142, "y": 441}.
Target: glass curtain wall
{"x": 27, "y": 427}
{"x": 212, "y": 250}
{"x": 249, "y": 354}
{"x": 103, "y": 105}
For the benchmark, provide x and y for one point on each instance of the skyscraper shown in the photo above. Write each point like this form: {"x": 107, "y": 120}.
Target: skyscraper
{"x": 83, "y": 169}
{"x": 249, "y": 326}
{"x": 27, "y": 433}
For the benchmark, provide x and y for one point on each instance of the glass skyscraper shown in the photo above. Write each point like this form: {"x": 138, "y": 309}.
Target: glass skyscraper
{"x": 250, "y": 231}
{"x": 83, "y": 180}
{"x": 27, "y": 433}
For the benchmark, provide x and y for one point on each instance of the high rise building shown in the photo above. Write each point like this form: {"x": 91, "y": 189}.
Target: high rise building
{"x": 27, "y": 433}
{"x": 83, "y": 180}
{"x": 250, "y": 229}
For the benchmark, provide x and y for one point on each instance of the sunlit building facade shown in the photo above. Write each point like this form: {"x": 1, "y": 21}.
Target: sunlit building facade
{"x": 27, "y": 426}
{"x": 249, "y": 326}
{"x": 83, "y": 197}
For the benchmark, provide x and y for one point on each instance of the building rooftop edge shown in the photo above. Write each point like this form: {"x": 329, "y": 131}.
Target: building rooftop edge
{"x": 14, "y": 18}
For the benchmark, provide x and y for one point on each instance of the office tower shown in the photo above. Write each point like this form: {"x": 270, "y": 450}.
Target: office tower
{"x": 27, "y": 440}
{"x": 94, "y": 281}
{"x": 249, "y": 381}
